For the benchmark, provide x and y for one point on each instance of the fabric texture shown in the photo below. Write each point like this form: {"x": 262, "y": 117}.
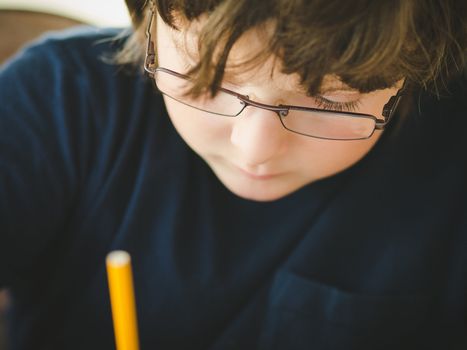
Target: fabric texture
{"x": 374, "y": 257}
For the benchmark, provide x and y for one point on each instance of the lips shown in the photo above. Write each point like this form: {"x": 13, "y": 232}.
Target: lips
{"x": 257, "y": 176}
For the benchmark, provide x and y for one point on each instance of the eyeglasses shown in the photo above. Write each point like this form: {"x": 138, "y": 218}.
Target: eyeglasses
{"x": 307, "y": 121}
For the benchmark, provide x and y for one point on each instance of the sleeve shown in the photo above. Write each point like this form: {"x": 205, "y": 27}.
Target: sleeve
{"x": 41, "y": 101}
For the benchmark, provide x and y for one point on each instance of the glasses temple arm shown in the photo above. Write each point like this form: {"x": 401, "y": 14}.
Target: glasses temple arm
{"x": 391, "y": 106}
{"x": 150, "y": 51}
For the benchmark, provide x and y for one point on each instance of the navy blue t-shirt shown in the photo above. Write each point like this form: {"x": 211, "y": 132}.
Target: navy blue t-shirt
{"x": 374, "y": 257}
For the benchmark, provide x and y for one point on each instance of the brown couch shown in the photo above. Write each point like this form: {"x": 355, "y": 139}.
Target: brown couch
{"x": 19, "y": 27}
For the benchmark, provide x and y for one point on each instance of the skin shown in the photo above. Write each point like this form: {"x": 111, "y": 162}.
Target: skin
{"x": 252, "y": 154}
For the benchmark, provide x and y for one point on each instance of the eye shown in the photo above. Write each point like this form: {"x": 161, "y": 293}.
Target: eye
{"x": 347, "y": 106}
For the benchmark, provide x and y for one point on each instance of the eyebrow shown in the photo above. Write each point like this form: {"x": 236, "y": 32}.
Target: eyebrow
{"x": 327, "y": 90}
{"x": 232, "y": 77}
{"x": 338, "y": 87}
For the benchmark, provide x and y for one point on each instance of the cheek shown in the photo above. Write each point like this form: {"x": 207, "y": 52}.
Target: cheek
{"x": 200, "y": 130}
{"x": 324, "y": 158}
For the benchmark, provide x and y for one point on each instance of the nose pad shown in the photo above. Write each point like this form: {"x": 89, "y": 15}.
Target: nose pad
{"x": 258, "y": 135}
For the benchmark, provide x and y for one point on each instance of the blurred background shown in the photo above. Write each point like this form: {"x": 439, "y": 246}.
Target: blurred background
{"x": 24, "y": 20}
{"x": 109, "y": 13}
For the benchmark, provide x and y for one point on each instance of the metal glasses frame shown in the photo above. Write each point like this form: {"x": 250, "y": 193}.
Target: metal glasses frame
{"x": 282, "y": 110}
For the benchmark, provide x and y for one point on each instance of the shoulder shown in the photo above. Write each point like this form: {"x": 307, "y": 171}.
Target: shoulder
{"x": 452, "y": 98}
{"x": 71, "y": 66}
{"x": 448, "y": 111}
{"x": 74, "y": 56}
{"x": 441, "y": 111}
{"x": 59, "y": 95}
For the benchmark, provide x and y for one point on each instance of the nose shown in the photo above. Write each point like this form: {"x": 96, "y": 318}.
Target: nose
{"x": 258, "y": 135}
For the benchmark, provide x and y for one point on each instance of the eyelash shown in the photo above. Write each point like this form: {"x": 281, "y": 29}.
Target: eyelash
{"x": 324, "y": 103}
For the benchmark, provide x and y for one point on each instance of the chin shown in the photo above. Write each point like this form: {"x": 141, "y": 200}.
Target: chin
{"x": 258, "y": 193}
{"x": 259, "y": 197}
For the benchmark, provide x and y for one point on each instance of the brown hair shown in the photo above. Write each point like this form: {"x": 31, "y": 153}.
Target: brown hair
{"x": 368, "y": 44}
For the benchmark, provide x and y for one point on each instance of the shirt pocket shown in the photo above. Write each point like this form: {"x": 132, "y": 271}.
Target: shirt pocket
{"x": 306, "y": 314}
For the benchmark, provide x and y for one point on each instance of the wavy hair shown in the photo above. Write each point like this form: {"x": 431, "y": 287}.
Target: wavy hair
{"x": 368, "y": 44}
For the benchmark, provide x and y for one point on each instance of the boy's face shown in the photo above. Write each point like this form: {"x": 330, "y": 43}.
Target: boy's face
{"x": 252, "y": 154}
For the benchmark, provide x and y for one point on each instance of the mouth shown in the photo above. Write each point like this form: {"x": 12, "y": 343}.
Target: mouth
{"x": 257, "y": 176}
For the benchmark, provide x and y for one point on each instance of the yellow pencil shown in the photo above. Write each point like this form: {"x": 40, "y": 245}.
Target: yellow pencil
{"x": 122, "y": 299}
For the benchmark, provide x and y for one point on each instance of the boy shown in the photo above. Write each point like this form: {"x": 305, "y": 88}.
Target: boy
{"x": 291, "y": 184}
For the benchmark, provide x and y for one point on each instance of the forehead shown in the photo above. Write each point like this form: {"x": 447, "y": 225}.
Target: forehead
{"x": 249, "y": 60}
